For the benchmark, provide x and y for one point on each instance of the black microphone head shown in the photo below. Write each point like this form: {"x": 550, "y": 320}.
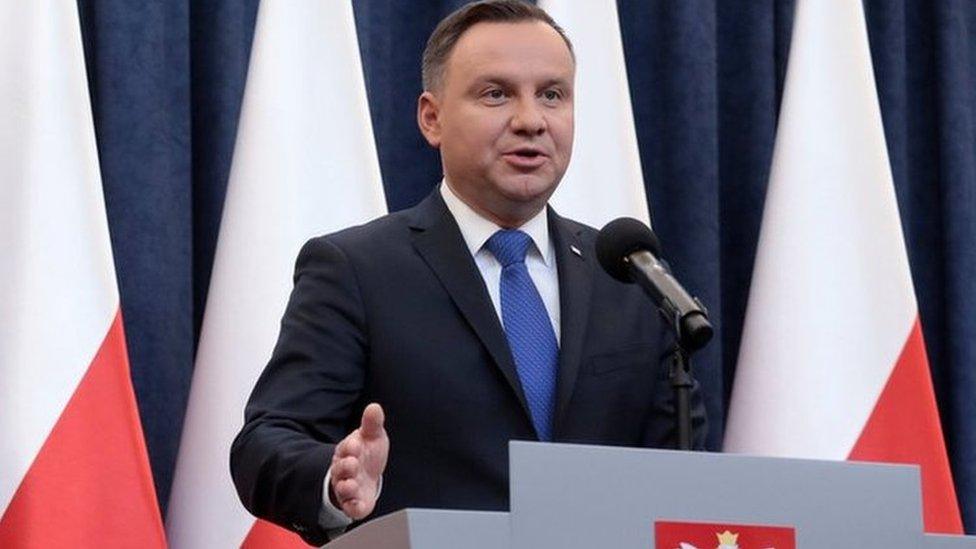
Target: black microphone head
{"x": 620, "y": 238}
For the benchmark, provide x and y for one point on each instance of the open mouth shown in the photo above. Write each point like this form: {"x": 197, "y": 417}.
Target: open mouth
{"x": 525, "y": 158}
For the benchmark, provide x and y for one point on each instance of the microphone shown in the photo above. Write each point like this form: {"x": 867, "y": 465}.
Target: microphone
{"x": 628, "y": 251}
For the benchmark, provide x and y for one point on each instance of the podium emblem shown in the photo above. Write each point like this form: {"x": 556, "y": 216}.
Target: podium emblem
{"x": 702, "y": 535}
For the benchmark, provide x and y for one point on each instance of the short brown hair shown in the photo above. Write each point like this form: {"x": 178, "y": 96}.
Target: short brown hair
{"x": 449, "y": 31}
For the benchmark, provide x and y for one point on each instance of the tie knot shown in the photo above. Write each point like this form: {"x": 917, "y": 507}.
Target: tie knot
{"x": 509, "y": 246}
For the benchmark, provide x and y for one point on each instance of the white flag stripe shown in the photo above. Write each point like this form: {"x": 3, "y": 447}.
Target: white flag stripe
{"x": 831, "y": 303}
{"x": 604, "y": 180}
{"x": 304, "y": 164}
{"x": 57, "y": 281}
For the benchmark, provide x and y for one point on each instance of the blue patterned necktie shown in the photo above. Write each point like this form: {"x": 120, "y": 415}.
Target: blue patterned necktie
{"x": 528, "y": 328}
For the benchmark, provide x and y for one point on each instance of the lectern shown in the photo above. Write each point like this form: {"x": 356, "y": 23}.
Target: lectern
{"x": 571, "y": 496}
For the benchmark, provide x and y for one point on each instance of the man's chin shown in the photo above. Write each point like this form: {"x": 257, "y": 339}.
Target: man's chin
{"x": 528, "y": 188}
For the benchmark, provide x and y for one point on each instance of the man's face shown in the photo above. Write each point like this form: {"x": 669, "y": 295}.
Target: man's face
{"x": 503, "y": 118}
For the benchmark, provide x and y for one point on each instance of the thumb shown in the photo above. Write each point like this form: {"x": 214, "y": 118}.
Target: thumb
{"x": 372, "y": 423}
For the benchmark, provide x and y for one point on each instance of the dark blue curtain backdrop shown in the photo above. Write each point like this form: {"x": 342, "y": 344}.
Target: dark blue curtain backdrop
{"x": 705, "y": 76}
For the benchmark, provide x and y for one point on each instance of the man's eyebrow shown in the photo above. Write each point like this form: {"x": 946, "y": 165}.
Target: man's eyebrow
{"x": 555, "y": 82}
{"x": 492, "y": 79}
{"x": 505, "y": 81}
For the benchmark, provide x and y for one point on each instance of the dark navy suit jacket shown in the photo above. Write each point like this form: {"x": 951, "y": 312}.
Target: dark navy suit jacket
{"x": 396, "y": 312}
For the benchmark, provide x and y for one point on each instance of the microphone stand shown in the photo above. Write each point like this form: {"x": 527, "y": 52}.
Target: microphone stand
{"x": 681, "y": 383}
{"x": 699, "y": 332}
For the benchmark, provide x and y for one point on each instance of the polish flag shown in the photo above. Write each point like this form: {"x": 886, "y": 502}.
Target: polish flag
{"x": 604, "y": 180}
{"x": 73, "y": 465}
{"x": 304, "y": 164}
{"x": 832, "y": 363}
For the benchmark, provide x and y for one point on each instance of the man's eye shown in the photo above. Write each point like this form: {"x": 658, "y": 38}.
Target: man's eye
{"x": 551, "y": 95}
{"x": 495, "y": 94}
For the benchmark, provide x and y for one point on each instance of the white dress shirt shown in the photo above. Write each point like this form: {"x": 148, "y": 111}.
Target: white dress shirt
{"x": 540, "y": 260}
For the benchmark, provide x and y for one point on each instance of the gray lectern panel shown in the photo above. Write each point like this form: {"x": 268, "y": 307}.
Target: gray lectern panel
{"x": 936, "y": 541}
{"x": 430, "y": 529}
{"x": 387, "y": 532}
{"x": 433, "y": 529}
{"x": 571, "y": 496}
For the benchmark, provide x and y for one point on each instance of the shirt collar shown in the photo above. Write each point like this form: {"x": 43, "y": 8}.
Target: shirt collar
{"x": 476, "y": 230}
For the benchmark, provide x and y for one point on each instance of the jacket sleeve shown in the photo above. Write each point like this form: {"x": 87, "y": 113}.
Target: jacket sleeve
{"x": 307, "y": 396}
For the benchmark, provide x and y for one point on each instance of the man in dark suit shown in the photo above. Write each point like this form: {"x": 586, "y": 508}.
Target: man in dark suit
{"x": 477, "y": 317}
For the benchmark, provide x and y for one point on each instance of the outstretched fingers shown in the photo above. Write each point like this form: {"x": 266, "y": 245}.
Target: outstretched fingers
{"x": 357, "y": 464}
{"x": 350, "y": 447}
{"x": 345, "y": 468}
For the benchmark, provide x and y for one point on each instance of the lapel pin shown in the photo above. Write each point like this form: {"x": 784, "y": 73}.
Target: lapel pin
{"x": 576, "y": 250}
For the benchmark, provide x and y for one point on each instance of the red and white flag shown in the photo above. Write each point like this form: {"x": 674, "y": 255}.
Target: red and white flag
{"x": 703, "y": 535}
{"x": 832, "y": 363}
{"x": 304, "y": 164}
{"x": 73, "y": 465}
{"x": 604, "y": 180}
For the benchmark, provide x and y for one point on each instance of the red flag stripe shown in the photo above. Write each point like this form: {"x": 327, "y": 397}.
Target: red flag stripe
{"x": 265, "y": 535}
{"x": 90, "y": 484}
{"x": 904, "y": 428}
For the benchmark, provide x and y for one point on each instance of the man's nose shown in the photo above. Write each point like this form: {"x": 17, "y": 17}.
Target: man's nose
{"x": 528, "y": 117}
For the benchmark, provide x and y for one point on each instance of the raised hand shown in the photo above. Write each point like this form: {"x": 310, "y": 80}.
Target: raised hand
{"x": 358, "y": 464}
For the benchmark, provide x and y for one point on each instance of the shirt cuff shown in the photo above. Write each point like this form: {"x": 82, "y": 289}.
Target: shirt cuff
{"x": 331, "y": 518}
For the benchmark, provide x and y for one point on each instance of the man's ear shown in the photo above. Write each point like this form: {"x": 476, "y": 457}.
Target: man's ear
{"x": 428, "y": 118}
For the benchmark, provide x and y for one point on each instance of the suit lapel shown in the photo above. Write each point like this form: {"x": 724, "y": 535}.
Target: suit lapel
{"x": 438, "y": 240}
{"x": 575, "y": 285}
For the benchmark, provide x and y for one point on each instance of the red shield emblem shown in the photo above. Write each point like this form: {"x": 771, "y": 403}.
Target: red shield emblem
{"x": 700, "y": 535}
